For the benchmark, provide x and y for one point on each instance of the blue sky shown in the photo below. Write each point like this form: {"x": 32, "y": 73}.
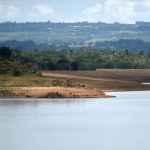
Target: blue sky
{"x": 123, "y": 11}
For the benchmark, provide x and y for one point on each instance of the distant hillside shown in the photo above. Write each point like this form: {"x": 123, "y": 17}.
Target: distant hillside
{"x": 122, "y": 44}
{"x": 81, "y": 32}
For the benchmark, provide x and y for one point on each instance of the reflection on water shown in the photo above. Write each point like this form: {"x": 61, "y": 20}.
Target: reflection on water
{"x": 35, "y": 102}
{"x": 146, "y": 83}
{"x": 120, "y": 123}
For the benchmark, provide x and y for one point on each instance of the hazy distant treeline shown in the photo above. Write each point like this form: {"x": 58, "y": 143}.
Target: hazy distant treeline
{"x": 123, "y": 44}
{"x": 46, "y": 26}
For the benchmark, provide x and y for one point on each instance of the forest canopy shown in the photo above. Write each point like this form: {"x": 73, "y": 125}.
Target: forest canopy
{"x": 16, "y": 61}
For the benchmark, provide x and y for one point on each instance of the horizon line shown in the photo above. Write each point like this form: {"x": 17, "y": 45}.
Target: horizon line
{"x": 48, "y": 21}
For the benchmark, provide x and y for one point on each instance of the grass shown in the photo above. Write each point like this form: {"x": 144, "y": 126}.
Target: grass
{"x": 25, "y": 81}
{"x": 8, "y": 81}
{"x": 5, "y": 92}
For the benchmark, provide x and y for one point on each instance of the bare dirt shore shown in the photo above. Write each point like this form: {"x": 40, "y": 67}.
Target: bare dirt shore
{"x": 75, "y": 84}
{"x": 53, "y": 92}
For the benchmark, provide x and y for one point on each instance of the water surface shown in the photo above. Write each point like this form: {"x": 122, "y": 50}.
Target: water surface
{"x": 121, "y": 123}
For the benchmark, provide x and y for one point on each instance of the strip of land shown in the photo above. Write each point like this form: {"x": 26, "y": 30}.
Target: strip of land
{"x": 54, "y": 92}
{"x": 74, "y": 84}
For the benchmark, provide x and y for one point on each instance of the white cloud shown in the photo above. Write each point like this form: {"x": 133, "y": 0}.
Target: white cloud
{"x": 40, "y": 12}
{"x": 13, "y": 11}
{"x": 112, "y": 10}
{"x": 9, "y": 12}
{"x": 146, "y": 3}
{"x": 126, "y": 11}
{"x": 43, "y": 9}
{"x": 120, "y": 9}
{"x": 93, "y": 10}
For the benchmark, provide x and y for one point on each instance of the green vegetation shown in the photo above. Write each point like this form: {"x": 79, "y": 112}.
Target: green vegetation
{"x": 17, "y": 62}
{"x": 5, "y": 92}
{"x": 33, "y": 80}
{"x": 27, "y": 80}
{"x": 10, "y": 62}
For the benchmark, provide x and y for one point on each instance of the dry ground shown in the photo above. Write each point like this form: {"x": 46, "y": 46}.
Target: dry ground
{"x": 57, "y": 92}
{"x": 74, "y": 84}
{"x": 107, "y": 79}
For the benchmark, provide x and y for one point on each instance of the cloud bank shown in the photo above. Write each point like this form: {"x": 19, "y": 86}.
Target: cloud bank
{"x": 38, "y": 12}
{"x": 124, "y": 11}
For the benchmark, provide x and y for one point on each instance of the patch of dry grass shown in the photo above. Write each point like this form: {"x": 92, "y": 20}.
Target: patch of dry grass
{"x": 25, "y": 81}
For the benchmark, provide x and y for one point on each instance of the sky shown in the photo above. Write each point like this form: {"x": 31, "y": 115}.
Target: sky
{"x": 109, "y": 11}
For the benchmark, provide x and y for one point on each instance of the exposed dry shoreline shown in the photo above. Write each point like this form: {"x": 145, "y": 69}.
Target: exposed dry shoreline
{"x": 74, "y": 84}
{"x": 53, "y": 92}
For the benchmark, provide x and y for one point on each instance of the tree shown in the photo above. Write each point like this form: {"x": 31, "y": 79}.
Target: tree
{"x": 5, "y": 52}
{"x": 141, "y": 52}
{"x": 74, "y": 65}
{"x": 63, "y": 64}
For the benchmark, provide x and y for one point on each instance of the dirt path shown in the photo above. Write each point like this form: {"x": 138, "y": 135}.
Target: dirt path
{"x": 78, "y": 77}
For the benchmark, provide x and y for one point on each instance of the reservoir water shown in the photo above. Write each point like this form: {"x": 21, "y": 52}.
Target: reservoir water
{"x": 121, "y": 123}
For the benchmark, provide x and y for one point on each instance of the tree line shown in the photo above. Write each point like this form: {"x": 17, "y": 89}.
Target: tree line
{"x": 17, "y": 62}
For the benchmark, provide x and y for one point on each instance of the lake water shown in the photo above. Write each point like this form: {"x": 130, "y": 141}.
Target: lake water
{"x": 146, "y": 83}
{"x": 121, "y": 123}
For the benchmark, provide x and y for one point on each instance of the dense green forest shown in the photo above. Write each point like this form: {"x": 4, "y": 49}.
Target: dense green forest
{"x": 17, "y": 62}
